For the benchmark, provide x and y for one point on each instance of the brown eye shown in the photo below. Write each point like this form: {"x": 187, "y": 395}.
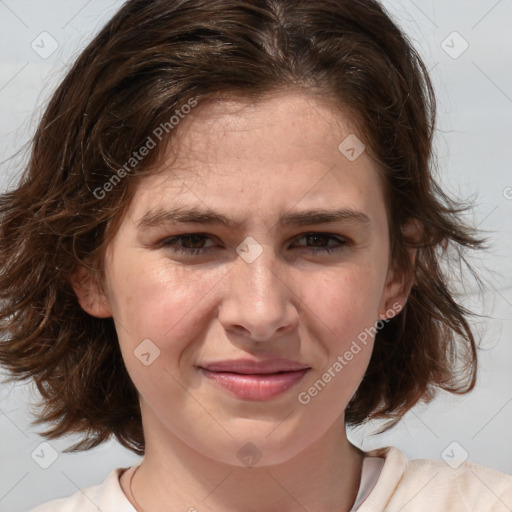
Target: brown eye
{"x": 319, "y": 242}
{"x": 192, "y": 243}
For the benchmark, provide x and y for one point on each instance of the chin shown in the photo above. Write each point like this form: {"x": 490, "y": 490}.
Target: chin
{"x": 259, "y": 447}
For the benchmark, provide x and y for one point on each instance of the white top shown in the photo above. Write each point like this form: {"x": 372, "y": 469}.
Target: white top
{"x": 389, "y": 481}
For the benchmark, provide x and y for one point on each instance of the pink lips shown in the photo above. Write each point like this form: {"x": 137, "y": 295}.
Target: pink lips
{"x": 255, "y": 380}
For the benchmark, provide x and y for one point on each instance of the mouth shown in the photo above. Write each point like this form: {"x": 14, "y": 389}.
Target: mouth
{"x": 255, "y": 384}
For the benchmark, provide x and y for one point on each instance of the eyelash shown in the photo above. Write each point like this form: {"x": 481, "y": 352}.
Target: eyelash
{"x": 171, "y": 243}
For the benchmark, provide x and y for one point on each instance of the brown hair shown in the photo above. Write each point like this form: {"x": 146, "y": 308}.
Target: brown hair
{"x": 150, "y": 60}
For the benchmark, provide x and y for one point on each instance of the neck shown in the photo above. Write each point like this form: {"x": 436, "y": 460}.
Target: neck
{"x": 325, "y": 476}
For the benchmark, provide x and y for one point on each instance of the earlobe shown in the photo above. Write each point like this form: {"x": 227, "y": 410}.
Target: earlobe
{"x": 90, "y": 296}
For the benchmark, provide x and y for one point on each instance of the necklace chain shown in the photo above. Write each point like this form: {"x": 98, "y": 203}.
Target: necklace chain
{"x": 138, "y": 507}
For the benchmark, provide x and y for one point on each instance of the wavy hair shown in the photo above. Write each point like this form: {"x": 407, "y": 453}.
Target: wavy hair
{"x": 149, "y": 61}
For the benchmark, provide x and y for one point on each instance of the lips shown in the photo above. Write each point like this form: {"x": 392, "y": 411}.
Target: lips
{"x": 255, "y": 380}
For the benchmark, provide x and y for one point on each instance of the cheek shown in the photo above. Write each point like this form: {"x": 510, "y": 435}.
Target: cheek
{"x": 159, "y": 303}
{"x": 345, "y": 307}
{"x": 346, "y": 300}
{"x": 168, "y": 307}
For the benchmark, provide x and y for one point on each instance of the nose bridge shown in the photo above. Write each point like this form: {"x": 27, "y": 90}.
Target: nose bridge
{"x": 260, "y": 274}
{"x": 256, "y": 275}
{"x": 258, "y": 297}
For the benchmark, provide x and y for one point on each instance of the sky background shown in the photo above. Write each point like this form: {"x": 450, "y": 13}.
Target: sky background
{"x": 467, "y": 45}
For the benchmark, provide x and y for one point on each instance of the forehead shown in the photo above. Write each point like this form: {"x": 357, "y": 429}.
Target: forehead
{"x": 284, "y": 123}
{"x": 262, "y": 158}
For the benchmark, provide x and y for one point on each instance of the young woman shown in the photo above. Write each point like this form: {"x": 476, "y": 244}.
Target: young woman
{"x": 227, "y": 247}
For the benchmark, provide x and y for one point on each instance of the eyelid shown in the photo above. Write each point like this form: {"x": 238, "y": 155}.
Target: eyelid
{"x": 167, "y": 240}
{"x": 327, "y": 234}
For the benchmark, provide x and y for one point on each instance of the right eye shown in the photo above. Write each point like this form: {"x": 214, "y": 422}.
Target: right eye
{"x": 182, "y": 243}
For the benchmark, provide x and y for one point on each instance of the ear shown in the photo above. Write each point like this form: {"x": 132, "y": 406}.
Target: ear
{"x": 91, "y": 297}
{"x": 398, "y": 284}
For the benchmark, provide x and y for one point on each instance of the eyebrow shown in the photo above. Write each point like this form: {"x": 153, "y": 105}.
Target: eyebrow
{"x": 199, "y": 216}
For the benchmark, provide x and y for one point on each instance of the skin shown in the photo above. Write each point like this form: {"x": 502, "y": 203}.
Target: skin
{"x": 252, "y": 162}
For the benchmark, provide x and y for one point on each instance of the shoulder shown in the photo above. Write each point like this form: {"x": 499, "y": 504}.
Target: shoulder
{"x": 106, "y": 496}
{"x": 423, "y": 485}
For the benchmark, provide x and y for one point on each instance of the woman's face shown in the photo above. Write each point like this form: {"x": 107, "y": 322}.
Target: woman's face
{"x": 277, "y": 281}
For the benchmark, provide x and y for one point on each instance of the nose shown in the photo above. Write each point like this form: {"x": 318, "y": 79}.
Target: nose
{"x": 259, "y": 302}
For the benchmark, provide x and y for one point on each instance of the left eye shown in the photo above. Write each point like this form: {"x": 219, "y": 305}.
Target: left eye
{"x": 324, "y": 237}
{"x": 193, "y": 244}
